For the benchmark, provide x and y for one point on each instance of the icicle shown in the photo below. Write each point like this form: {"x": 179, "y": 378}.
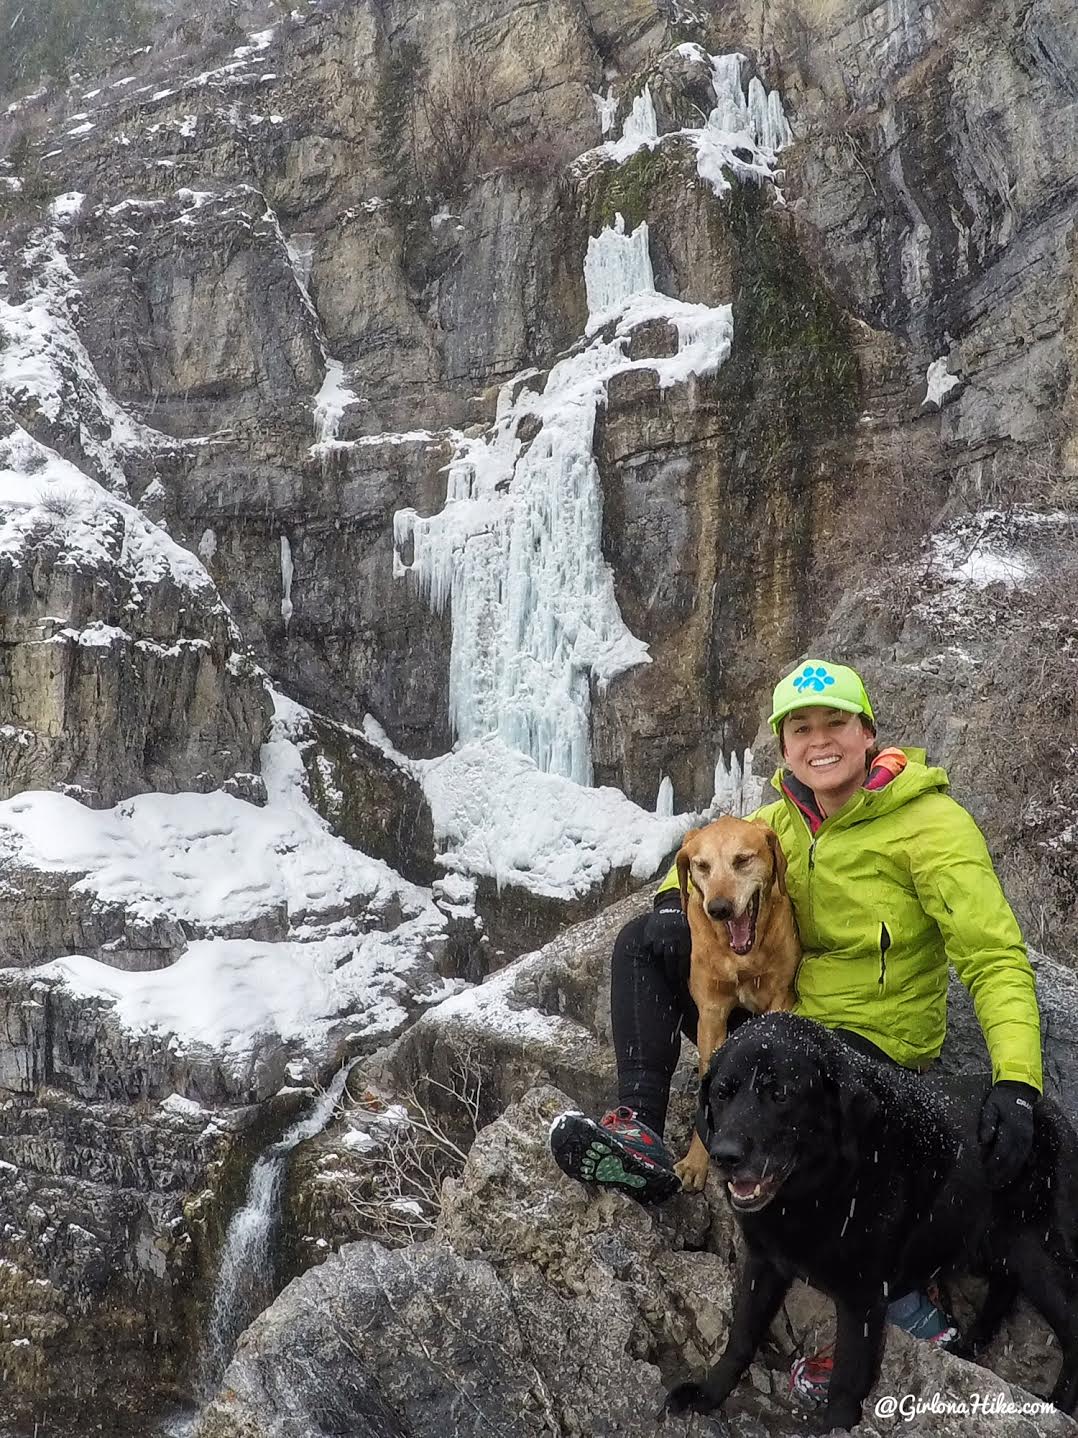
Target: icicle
{"x": 606, "y": 107}
{"x": 641, "y": 125}
{"x": 664, "y": 803}
{"x": 286, "y": 580}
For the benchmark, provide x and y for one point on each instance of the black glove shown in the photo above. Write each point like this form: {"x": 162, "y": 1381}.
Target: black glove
{"x": 666, "y": 932}
{"x": 1006, "y": 1130}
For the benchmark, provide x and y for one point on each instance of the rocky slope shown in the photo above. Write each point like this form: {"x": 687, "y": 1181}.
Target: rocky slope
{"x": 336, "y": 362}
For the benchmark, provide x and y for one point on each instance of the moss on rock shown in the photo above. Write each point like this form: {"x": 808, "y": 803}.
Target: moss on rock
{"x": 625, "y": 189}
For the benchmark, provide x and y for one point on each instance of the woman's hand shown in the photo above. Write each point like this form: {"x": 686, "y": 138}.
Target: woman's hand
{"x": 666, "y": 932}
{"x": 1006, "y": 1130}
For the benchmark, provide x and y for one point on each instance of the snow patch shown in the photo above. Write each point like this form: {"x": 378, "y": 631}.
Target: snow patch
{"x": 331, "y": 401}
{"x": 43, "y": 359}
{"x": 211, "y": 860}
{"x": 40, "y": 491}
{"x": 67, "y": 206}
{"x": 939, "y": 382}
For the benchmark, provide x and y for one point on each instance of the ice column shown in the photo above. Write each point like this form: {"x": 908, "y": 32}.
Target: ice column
{"x": 617, "y": 267}
{"x": 664, "y": 802}
{"x": 286, "y": 580}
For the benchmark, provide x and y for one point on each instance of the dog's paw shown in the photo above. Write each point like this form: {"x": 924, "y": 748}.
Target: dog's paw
{"x": 688, "y": 1398}
{"x": 692, "y": 1172}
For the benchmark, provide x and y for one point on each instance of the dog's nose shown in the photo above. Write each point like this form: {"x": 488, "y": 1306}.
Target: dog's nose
{"x": 728, "y": 1150}
{"x": 720, "y": 909}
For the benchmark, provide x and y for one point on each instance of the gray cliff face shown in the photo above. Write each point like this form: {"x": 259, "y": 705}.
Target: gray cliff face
{"x": 310, "y": 250}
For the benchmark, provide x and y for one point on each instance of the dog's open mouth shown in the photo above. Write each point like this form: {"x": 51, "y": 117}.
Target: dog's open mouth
{"x": 749, "y": 1194}
{"x": 742, "y": 931}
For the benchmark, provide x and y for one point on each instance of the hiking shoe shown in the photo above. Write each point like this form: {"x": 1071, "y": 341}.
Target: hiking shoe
{"x": 617, "y": 1152}
{"x": 810, "y": 1375}
{"x": 919, "y": 1314}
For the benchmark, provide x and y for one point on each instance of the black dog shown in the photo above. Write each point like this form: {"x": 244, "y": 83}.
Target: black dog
{"x": 866, "y": 1180}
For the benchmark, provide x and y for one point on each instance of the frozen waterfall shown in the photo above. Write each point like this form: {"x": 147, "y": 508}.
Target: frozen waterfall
{"x": 516, "y": 551}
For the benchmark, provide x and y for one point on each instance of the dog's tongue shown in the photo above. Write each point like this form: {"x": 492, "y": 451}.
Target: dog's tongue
{"x": 740, "y": 931}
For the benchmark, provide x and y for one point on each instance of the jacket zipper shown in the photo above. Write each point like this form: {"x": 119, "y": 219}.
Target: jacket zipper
{"x": 885, "y": 944}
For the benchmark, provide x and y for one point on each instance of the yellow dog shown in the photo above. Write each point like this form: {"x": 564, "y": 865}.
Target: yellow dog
{"x": 745, "y": 948}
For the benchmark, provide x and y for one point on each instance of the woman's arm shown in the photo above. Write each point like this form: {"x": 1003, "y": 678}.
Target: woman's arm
{"x": 958, "y": 887}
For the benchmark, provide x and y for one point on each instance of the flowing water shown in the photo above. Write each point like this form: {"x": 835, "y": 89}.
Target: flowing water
{"x": 246, "y": 1279}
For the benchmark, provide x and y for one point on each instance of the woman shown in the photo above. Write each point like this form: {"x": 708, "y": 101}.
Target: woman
{"x": 891, "y": 882}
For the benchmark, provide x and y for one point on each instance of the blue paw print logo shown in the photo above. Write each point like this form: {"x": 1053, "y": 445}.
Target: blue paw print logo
{"x": 815, "y": 678}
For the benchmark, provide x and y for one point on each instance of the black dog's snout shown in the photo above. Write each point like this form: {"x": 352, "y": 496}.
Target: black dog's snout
{"x": 728, "y": 1150}
{"x": 720, "y": 909}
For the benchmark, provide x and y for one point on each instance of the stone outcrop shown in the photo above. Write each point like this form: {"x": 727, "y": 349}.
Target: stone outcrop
{"x": 115, "y": 679}
{"x": 538, "y": 1310}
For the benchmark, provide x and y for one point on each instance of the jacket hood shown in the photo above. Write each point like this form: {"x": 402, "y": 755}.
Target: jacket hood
{"x": 916, "y": 778}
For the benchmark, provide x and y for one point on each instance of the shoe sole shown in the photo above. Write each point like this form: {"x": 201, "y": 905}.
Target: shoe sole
{"x": 573, "y": 1135}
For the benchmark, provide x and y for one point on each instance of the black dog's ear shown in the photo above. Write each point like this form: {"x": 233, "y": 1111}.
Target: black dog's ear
{"x": 858, "y": 1110}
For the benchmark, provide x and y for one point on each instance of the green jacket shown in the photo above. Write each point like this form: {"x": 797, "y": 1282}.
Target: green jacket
{"x": 889, "y": 889}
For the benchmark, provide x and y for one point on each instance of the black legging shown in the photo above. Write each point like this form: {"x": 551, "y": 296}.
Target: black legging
{"x": 650, "y": 1008}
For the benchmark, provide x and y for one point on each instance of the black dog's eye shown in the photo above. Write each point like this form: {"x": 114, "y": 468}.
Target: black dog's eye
{"x": 722, "y": 1093}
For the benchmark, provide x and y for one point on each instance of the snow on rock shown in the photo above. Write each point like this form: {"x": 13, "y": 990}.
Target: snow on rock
{"x": 939, "y": 383}
{"x": 497, "y": 815}
{"x": 39, "y": 491}
{"x": 330, "y": 403}
{"x": 516, "y": 551}
{"x": 67, "y": 206}
{"x": 43, "y": 361}
{"x": 211, "y": 861}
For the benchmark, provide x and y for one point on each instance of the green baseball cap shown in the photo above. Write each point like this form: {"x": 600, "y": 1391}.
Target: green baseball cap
{"x": 817, "y": 682}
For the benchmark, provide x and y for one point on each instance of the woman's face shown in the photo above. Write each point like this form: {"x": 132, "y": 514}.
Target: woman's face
{"x": 827, "y": 749}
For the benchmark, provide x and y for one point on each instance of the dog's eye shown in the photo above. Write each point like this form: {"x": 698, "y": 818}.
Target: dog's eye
{"x": 702, "y": 866}
{"x": 740, "y": 860}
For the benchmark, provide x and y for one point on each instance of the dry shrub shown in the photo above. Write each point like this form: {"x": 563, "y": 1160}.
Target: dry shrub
{"x": 456, "y": 119}
{"x": 415, "y": 1142}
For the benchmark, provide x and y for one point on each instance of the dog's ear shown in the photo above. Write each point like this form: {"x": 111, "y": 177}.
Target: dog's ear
{"x": 684, "y": 858}
{"x": 858, "y": 1110}
{"x": 778, "y": 860}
